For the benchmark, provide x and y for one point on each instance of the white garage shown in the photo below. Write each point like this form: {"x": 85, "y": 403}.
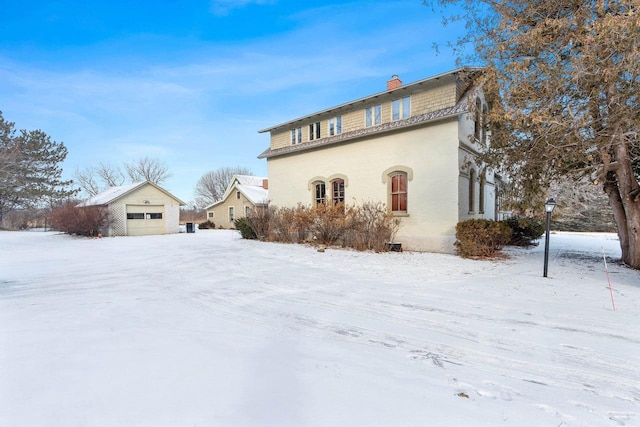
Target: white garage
{"x": 139, "y": 209}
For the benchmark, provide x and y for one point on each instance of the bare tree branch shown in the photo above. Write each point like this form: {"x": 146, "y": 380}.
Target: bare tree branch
{"x": 147, "y": 169}
{"x": 212, "y": 185}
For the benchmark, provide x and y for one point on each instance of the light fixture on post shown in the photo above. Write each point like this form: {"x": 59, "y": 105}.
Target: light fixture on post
{"x": 549, "y": 206}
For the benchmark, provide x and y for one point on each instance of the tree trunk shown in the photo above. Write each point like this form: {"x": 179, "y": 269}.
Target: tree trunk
{"x": 622, "y": 192}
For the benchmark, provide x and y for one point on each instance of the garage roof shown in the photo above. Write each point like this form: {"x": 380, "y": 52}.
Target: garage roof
{"x": 112, "y": 194}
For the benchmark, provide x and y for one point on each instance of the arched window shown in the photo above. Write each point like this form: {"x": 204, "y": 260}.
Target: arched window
{"x": 320, "y": 192}
{"x": 472, "y": 190}
{"x": 399, "y": 192}
{"x": 337, "y": 188}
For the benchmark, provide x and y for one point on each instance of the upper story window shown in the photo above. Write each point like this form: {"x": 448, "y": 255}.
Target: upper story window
{"x": 485, "y": 123}
{"x": 238, "y": 195}
{"x": 296, "y": 136}
{"x": 337, "y": 187}
{"x": 401, "y": 108}
{"x": 314, "y": 131}
{"x": 335, "y": 125}
{"x": 399, "y": 192}
{"x": 373, "y": 116}
{"x": 320, "y": 192}
{"x": 477, "y": 126}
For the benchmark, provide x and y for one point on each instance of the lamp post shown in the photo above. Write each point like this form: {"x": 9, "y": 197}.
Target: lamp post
{"x": 549, "y": 206}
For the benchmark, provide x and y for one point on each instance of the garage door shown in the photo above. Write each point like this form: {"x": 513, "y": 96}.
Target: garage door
{"x": 143, "y": 220}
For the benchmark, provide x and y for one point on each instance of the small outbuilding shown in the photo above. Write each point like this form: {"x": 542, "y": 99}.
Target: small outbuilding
{"x": 244, "y": 193}
{"x": 139, "y": 209}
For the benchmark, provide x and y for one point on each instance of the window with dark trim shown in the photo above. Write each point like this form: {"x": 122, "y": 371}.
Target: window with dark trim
{"x": 483, "y": 183}
{"x": 314, "y": 131}
{"x": 157, "y": 215}
{"x": 320, "y": 192}
{"x": 337, "y": 188}
{"x": 136, "y": 215}
{"x": 472, "y": 190}
{"x": 399, "y": 192}
{"x": 485, "y": 124}
{"x": 477, "y": 126}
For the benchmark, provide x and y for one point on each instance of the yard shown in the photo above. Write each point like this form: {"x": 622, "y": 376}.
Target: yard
{"x": 207, "y": 329}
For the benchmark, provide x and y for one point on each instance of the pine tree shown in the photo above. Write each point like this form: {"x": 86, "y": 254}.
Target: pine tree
{"x": 30, "y": 171}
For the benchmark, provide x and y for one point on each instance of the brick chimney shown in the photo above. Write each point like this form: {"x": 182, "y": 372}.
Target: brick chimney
{"x": 265, "y": 184}
{"x": 394, "y": 83}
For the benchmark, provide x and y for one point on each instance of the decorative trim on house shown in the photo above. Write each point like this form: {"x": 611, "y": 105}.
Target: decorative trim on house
{"x": 397, "y": 168}
{"x": 445, "y": 113}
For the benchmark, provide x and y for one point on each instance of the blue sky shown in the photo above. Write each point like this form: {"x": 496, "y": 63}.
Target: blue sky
{"x": 191, "y": 82}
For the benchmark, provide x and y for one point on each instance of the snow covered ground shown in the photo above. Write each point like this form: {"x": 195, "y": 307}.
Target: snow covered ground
{"x": 207, "y": 329}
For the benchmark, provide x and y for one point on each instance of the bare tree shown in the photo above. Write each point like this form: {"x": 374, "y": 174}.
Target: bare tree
{"x": 110, "y": 175}
{"x": 86, "y": 180}
{"x": 212, "y": 185}
{"x": 95, "y": 179}
{"x": 147, "y": 169}
{"x": 563, "y": 78}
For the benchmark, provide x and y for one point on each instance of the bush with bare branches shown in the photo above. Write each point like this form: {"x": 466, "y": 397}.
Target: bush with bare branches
{"x": 81, "y": 221}
{"x": 369, "y": 226}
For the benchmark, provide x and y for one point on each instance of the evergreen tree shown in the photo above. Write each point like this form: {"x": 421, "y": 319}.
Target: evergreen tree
{"x": 30, "y": 171}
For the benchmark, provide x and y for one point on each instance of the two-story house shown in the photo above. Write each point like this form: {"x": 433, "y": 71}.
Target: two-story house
{"x": 412, "y": 146}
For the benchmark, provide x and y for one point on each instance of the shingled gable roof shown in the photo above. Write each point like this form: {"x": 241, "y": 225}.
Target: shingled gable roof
{"x": 460, "y": 107}
{"x": 112, "y": 194}
{"x": 249, "y": 186}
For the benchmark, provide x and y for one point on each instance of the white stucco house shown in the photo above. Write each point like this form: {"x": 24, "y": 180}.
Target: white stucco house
{"x": 413, "y": 146}
{"x": 142, "y": 208}
{"x": 243, "y": 194}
